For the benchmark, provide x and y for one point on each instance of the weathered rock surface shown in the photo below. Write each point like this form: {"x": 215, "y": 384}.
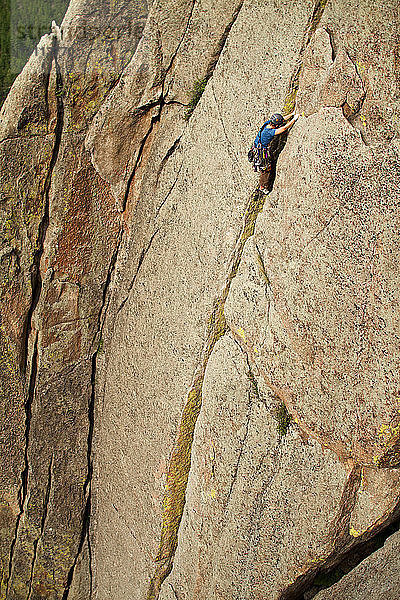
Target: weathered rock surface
{"x": 183, "y": 254}
{"x": 329, "y": 347}
{"x": 200, "y": 383}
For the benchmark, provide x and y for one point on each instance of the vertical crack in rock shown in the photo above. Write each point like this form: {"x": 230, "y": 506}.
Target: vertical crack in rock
{"x": 215, "y": 57}
{"x": 332, "y": 43}
{"x": 23, "y": 491}
{"x": 105, "y": 298}
{"x": 164, "y": 161}
{"x": 102, "y": 313}
{"x": 154, "y": 120}
{"x": 250, "y": 374}
{"x": 354, "y": 118}
{"x": 172, "y": 60}
{"x": 42, "y": 526}
{"x": 179, "y": 467}
{"x": 174, "y": 591}
{"x": 252, "y": 392}
{"x": 161, "y": 101}
{"x": 84, "y": 537}
{"x": 340, "y": 529}
{"x": 228, "y": 141}
{"x": 36, "y": 285}
{"x": 28, "y": 419}
{"x": 311, "y": 26}
{"x": 85, "y": 532}
{"x": 261, "y": 267}
{"x": 36, "y": 279}
{"x": 87, "y": 491}
{"x": 169, "y": 191}
{"x": 87, "y": 488}
{"x": 222, "y": 41}
{"x": 357, "y": 70}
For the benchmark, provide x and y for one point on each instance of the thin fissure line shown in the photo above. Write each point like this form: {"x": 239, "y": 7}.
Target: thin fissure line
{"x": 36, "y": 283}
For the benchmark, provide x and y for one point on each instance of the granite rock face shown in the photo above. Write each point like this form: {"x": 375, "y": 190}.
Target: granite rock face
{"x": 200, "y": 390}
{"x": 59, "y": 224}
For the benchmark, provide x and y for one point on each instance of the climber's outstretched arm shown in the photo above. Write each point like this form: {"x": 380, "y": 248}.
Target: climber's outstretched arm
{"x": 285, "y": 127}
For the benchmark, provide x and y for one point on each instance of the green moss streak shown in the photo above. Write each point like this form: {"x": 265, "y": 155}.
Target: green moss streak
{"x": 197, "y": 91}
{"x": 283, "y": 419}
{"x": 178, "y": 473}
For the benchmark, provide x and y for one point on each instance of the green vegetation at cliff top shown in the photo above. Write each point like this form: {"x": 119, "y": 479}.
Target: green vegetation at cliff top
{"x": 22, "y": 23}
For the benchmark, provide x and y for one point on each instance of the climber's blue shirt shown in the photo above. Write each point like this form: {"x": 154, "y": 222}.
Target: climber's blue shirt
{"x": 266, "y": 137}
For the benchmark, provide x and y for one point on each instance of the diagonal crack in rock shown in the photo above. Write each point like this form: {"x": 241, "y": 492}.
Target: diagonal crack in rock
{"x": 178, "y": 472}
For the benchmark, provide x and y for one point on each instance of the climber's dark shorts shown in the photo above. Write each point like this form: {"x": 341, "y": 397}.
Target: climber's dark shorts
{"x": 265, "y": 175}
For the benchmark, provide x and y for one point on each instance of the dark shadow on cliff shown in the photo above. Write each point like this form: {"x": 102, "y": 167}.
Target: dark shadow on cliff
{"x": 341, "y": 562}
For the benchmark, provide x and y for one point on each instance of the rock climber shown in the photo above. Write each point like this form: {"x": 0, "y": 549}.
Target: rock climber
{"x": 260, "y": 154}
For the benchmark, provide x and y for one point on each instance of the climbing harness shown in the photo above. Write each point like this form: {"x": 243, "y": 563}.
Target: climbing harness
{"x": 258, "y": 155}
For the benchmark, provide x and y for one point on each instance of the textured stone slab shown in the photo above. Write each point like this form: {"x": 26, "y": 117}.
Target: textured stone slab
{"x": 261, "y": 508}
{"x": 119, "y": 222}
{"x": 329, "y": 258}
{"x": 59, "y": 234}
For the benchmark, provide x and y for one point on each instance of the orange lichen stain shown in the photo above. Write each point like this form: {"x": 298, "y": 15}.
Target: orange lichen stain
{"x": 88, "y": 207}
